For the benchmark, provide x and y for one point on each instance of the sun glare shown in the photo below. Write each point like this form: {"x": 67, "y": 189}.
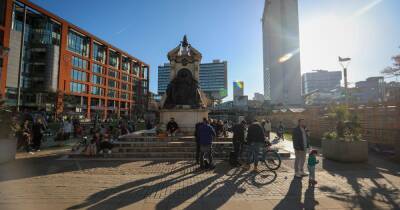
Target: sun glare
{"x": 323, "y": 39}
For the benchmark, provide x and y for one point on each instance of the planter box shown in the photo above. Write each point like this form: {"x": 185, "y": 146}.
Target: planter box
{"x": 8, "y": 149}
{"x": 345, "y": 151}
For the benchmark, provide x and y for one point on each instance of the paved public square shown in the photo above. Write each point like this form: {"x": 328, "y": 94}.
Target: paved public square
{"x": 46, "y": 180}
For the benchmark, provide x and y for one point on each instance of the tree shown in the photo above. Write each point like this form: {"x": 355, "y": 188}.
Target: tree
{"x": 395, "y": 69}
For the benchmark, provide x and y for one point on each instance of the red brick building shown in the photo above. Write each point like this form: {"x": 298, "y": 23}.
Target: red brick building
{"x": 65, "y": 68}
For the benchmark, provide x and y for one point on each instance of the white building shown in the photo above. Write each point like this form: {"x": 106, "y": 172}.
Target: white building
{"x": 282, "y": 74}
{"x": 258, "y": 97}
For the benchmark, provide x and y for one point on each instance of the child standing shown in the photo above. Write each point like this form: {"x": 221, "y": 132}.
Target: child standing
{"x": 312, "y": 161}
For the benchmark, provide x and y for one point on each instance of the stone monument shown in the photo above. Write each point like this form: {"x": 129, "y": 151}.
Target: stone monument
{"x": 183, "y": 99}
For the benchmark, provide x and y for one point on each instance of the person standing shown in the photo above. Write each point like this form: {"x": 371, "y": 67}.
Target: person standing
{"x": 206, "y": 134}
{"x": 197, "y": 139}
{"x": 300, "y": 145}
{"x": 239, "y": 136}
{"x": 37, "y": 130}
{"x": 312, "y": 161}
{"x": 267, "y": 128}
{"x": 172, "y": 127}
{"x": 256, "y": 140}
{"x": 281, "y": 131}
{"x": 67, "y": 129}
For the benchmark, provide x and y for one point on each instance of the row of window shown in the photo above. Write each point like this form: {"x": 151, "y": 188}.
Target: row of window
{"x": 82, "y": 88}
{"x": 79, "y": 44}
{"x": 78, "y": 75}
{"x": 79, "y": 63}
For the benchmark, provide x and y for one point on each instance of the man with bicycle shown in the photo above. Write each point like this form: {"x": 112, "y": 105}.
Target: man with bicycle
{"x": 256, "y": 141}
{"x": 205, "y": 134}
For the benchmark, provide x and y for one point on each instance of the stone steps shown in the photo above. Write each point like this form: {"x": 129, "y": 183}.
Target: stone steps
{"x": 168, "y": 139}
{"x": 150, "y": 147}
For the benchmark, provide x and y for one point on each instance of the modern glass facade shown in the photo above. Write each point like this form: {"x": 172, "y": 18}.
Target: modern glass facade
{"x": 213, "y": 79}
{"x": 321, "y": 80}
{"x": 85, "y": 68}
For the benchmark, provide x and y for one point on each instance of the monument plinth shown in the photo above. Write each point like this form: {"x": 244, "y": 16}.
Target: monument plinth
{"x": 183, "y": 99}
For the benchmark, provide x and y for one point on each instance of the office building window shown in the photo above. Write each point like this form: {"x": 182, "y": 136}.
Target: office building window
{"x": 112, "y": 73}
{"x": 145, "y": 70}
{"x": 2, "y": 11}
{"x": 113, "y": 59}
{"x": 112, "y": 93}
{"x": 78, "y": 75}
{"x": 124, "y": 95}
{"x": 79, "y": 63}
{"x": 98, "y": 80}
{"x": 126, "y": 64}
{"x": 124, "y": 86}
{"x": 135, "y": 69}
{"x": 78, "y": 44}
{"x": 97, "y": 69}
{"x": 99, "y": 53}
{"x": 125, "y": 77}
{"x": 97, "y": 91}
{"x": 96, "y": 102}
{"x": 124, "y": 105}
{"x": 112, "y": 83}
{"x": 77, "y": 87}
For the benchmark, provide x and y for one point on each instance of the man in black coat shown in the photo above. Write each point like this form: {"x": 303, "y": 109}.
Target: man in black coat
{"x": 300, "y": 145}
{"x": 256, "y": 140}
{"x": 239, "y": 135}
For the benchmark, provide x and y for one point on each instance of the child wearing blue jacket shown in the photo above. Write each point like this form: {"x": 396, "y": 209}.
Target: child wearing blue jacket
{"x": 312, "y": 161}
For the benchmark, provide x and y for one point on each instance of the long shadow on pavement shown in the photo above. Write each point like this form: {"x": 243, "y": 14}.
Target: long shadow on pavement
{"x": 292, "y": 200}
{"x": 132, "y": 192}
{"x": 47, "y": 165}
{"x": 356, "y": 175}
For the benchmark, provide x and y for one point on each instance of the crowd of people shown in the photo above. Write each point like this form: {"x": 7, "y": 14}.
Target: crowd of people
{"x": 255, "y": 135}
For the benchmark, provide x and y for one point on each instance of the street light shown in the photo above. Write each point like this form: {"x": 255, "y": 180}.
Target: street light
{"x": 344, "y": 62}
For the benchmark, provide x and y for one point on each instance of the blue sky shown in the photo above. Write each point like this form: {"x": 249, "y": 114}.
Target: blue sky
{"x": 368, "y": 31}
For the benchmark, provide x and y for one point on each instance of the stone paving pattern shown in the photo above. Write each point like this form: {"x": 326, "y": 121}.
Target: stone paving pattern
{"x": 46, "y": 181}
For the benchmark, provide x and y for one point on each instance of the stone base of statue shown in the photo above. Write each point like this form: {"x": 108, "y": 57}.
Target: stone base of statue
{"x": 185, "y": 117}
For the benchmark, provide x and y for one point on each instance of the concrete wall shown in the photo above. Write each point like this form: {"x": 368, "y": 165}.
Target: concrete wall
{"x": 13, "y": 59}
{"x": 53, "y": 58}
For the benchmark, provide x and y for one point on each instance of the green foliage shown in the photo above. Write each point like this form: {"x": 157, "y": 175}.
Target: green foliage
{"x": 8, "y": 125}
{"x": 347, "y": 124}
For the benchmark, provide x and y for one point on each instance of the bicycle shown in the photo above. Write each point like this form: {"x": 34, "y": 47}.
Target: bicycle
{"x": 269, "y": 157}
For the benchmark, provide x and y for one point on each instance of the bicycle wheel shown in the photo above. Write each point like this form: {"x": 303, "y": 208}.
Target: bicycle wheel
{"x": 272, "y": 160}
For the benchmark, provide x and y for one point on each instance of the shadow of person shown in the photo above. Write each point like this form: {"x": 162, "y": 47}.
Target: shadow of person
{"x": 292, "y": 199}
{"x": 131, "y": 192}
{"x": 220, "y": 192}
{"x": 309, "y": 199}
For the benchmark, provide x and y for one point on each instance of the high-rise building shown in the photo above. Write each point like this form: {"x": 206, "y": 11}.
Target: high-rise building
{"x": 53, "y": 64}
{"x": 213, "y": 79}
{"x": 258, "y": 97}
{"x": 321, "y": 80}
{"x": 282, "y": 74}
{"x": 238, "y": 88}
{"x": 370, "y": 90}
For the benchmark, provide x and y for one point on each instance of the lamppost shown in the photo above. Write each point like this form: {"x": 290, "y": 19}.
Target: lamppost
{"x": 344, "y": 62}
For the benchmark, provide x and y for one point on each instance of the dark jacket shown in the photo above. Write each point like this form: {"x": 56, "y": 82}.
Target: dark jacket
{"x": 205, "y": 134}
{"x": 172, "y": 126}
{"x": 196, "y": 131}
{"x": 255, "y": 133}
{"x": 298, "y": 143}
{"x": 238, "y": 133}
